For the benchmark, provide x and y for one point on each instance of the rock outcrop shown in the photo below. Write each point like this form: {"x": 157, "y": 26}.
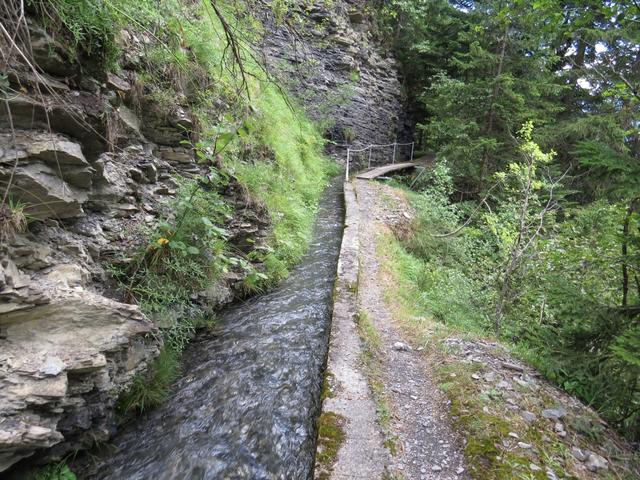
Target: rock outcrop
{"x": 63, "y": 363}
{"x": 344, "y": 78}
{"x": 89, "y": 169}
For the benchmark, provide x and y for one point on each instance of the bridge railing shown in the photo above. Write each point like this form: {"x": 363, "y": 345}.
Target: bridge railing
{"x": 370, "y": 148}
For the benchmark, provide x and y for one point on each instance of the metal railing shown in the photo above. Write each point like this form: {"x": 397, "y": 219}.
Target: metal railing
{"x": 370, "y": 148}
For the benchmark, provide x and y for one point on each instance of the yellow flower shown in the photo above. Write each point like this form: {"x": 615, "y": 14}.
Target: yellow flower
{"x": 162, "y": 241}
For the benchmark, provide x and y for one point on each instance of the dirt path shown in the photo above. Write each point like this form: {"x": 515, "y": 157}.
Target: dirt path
{"x": 427, "y": 447}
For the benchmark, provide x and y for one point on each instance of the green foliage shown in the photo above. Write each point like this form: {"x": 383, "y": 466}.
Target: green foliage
{"x": 565, "y": 276}
{"x": 245, "y": 122}
{"x": 55, "y": 471}
{"x": 91, "y": 26}
{"x": 565, "y": 315}
{"x": 290, "y": 180}
{"x": 13, "y": 218}
{"x": 150, "y": 389}
{"x": 185, "y": 254}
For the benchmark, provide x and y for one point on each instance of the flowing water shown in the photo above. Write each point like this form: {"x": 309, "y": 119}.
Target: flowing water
{"x": 246, "y": 404}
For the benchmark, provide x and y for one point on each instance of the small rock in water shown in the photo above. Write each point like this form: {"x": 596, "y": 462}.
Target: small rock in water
{"x": 554, "y": 413}
{"x": 401, "y": 347}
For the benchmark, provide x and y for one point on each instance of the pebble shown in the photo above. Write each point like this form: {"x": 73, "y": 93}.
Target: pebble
{"x": 401, "y": 347}
{"x": 490, "y": 377}
{"x": 512, "y": 366}
{"x": 528, "y": 416}
{"x": 460, "y": 470}
{"x": 513, "y": 435}
{"x": 595, "y": 462}
{"x": 525, "y": 446}
{"x": 436, "y": 468}
{"x": 554, "y": 413}
{"x": 503, "y": 384}
{"x": 578, "y": 454}
{"x": 551, "y": 475}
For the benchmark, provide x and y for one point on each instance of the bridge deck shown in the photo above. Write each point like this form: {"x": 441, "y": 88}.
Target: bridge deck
{"x": 379, "y": 171}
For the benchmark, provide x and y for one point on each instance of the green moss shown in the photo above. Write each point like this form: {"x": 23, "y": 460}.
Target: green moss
{"x": 328, "y": 380}
{"x": 331, "y": 436}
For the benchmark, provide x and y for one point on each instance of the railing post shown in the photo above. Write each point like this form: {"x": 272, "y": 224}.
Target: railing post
{"x": 412, "y": 145}
{"x": 348, "y": 160}
{"x": 395, "y": 146}
{"x": 370, "y": 152}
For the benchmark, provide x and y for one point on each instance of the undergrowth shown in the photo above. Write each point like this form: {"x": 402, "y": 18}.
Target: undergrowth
{"x": 184, "y": 253}
{"x": 419, "y": 304}
{"x": 483, "y": 420}
{"x": 560, "y": 317}
{"x": 54, "y": 471}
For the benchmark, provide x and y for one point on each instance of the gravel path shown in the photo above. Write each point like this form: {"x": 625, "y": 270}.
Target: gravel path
{"x": 428, "y": 447}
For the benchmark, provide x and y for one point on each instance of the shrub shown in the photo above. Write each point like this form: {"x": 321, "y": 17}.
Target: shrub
{"x": 55, "y": 471}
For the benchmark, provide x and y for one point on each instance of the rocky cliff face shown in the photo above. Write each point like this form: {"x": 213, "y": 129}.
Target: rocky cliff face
{"x": 328, "y": 55}
{"x": 92, "y": 169}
